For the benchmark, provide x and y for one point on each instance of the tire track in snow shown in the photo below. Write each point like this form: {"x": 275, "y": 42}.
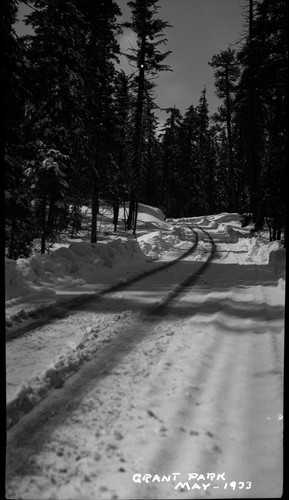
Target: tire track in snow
{"x": 126, "y": 384}
{"x": 191, "y": 418}
{"x": 26, "y": 399}
{"x": 51, "y": 312}
{"x": 226, "y": 430}
{"x": 181, "y": 288}
{"x": 197, "y": 444}
{"x": 229, "y": 426}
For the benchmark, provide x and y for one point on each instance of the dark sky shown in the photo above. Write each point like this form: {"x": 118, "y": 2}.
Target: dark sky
{"x": 200, "y": 29}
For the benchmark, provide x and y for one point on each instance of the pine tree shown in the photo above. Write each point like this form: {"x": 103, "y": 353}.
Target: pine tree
{"x": 227, "y": 72}
{"x": 56, "y": 54}
{"x": 55, "y": 113}
{"x": 191, "y": 196}
{"x": 221, "y": 194}
{"x": 117, "y": 172}
{"x": 149, "y": 167}
{"x": 249, "y": 116}
{"x": 148, "y": 60}
{"x": 170, "y": 161}
{"x": 18, "y": 223}
{"x": 49, "y": 188}
{"x": 204, "y": 154}
{"x": 264, "y": 59}
{"x": 212, "y": 189}
{"x": 102, "y": 50}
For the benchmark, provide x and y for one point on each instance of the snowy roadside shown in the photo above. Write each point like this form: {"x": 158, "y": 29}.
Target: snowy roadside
{"x": 77, "y": 268}
{"x": 159, "y": 384}
{"x": 59, "y": 351}
{"x": 103, "y": 267}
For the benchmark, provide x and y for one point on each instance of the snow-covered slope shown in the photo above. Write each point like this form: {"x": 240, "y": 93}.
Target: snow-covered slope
{"x": 76, "y": 266}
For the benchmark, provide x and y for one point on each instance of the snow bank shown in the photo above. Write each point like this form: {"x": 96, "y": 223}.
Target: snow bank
{"x": 260, "y": 252}
{"x": 79, "y": 263}
{"x": 227, "y": 217}
{"x": 73, "y": 266}
{"x": 231, "y": 233}
{"x": 155, "y": 243}
{"x": 147, "y": 213}
{"x": 15, "y": 282}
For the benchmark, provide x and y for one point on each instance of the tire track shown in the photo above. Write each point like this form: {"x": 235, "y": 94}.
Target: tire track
{"x": 183, "y": 399}
{"x": 52, "y": 312}
{"x": 181, "y": 288}
{"x": 27, "y": 399}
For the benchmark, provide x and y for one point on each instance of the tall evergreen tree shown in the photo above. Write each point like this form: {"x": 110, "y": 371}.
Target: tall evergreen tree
{"x": 149, "y": 172}
{"x": 148, "y": 60}
{"x": 49, "y": 191}
{"x": 191, "y": 196}
{"x": 170, "y": 185}
{"x": 54, "y": 115}
{"x": 204, "y": 144}
{"x": 56, "y": 55}
{"x": 18, "y": 223}
{"x": 117, "y": 173}
{"x": 249, "y": 115}
{"x": 227, "y": 72}
{"x": 102, "y": 51}
{"x": 264, "y": 59}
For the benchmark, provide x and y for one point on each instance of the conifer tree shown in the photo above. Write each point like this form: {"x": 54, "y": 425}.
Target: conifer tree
{"x": 227, "y": 72}
{"x": 149, "y": 174}
{"x": 117, "y": 173}
{"x": 170, "y": 161}
{"x": 192, "y": 191}
{"x": 264, "y": 59}
{"x": 150, "y": 143}
{"x": 148, "y": 60}
{"x": 204, "y": 154}
{"x": 102, "y": 51}
{"x": 18, "y": 220}
{"x": 49, "y": 189}
{"x": 54, "y": 115}
{"x": 249, "y": 116}
{"x": 56, "y": 54}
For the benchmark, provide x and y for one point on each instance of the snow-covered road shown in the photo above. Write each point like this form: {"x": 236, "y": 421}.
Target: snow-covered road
{"x": 182, "y": 402}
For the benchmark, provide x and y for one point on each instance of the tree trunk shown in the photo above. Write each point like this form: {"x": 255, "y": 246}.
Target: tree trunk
{"x": 115, "y": 213}
{"x": 51, "y": 217}
{"x": 131, "y": 221}
{"x": 231, "y": 176}
{"x": 270, "y": 229}
{"x": 135, "y": 218}
{"x": 274, "y": 230}
{"x": 94, "y": 208}
{"x": 43, "y": 224}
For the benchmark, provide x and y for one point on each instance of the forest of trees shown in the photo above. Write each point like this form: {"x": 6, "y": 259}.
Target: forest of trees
{"x": 78, "y": 130}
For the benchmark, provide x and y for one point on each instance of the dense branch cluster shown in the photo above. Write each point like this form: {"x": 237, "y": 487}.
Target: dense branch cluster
{"x": 77, "y": 129}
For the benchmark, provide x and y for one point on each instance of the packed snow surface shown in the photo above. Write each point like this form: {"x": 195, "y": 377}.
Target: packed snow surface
{"x": 195, "y": 391}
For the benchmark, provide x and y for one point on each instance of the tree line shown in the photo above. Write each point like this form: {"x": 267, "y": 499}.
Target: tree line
{"x": 78, "y": 130}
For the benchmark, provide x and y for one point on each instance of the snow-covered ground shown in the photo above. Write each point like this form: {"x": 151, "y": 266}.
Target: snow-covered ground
{"x": 75, "y": 266}
{"x": 194, "y": 390}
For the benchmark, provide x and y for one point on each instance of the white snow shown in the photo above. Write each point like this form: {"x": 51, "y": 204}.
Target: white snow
{"x": 81, "y": 267}
{"x": 219, "y": 347}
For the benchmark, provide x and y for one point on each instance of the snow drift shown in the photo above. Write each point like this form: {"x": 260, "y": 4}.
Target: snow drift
{"x": 77, "y": 266}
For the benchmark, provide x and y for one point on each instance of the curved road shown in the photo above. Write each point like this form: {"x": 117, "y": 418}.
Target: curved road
{"x": 184, "y": 402}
